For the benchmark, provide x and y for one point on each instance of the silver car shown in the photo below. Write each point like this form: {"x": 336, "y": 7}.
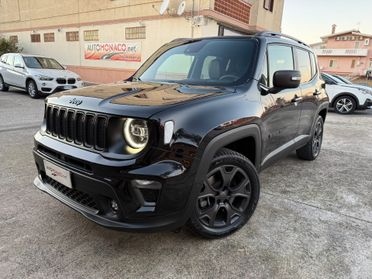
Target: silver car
{"x": 38, "y": 75}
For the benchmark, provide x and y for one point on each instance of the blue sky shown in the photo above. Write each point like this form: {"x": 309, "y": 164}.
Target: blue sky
{"x": 310, "y": 19}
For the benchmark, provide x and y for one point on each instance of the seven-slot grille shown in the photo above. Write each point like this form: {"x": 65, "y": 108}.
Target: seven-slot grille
{"x": 80, "y": 127}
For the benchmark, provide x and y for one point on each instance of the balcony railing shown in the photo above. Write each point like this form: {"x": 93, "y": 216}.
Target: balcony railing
{"x": 341, "y": 52}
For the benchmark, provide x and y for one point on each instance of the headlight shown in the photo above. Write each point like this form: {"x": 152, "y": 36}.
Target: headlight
{"x": 45, "y": 78}
{"x": 136, "y": 133}
{"x": 78, "y": 78}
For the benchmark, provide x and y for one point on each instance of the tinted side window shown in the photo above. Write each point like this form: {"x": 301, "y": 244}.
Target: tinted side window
{"x": 304, "y": 65}
{"x": 327, "y": 79}
{"x": 280, "y": 58}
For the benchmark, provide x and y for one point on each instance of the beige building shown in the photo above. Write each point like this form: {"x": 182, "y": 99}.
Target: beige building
{"x": 107, "y": 40}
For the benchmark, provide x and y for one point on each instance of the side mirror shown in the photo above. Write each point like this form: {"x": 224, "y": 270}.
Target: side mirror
{"x": 64, "y": 67}
{"x": 19, "y": 66}
{"x": 287, "y": 79}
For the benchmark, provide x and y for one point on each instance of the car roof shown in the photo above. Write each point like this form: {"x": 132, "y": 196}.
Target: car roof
{"x": 25, "y": 54}
{"x": 268, "y": 37}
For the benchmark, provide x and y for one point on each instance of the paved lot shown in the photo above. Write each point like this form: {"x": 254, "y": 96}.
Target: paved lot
{"x": 314, "y": 219}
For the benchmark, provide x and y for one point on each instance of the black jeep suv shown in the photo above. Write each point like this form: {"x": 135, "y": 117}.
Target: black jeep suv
{"x": 182, "y": 140}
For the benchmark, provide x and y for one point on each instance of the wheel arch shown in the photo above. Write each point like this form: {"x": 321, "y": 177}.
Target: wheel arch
{"x": 355, "y": 98}
{"x": 234, "y": 139}
{"x": 29, "y": 79}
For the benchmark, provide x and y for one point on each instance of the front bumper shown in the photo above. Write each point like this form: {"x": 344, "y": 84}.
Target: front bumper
{"x": 49, "y": 87}
{"x": 367, "y": 104}
{"x": 98, "y": 181}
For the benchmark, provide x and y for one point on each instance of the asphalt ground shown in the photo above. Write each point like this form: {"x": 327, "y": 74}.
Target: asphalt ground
{"x": 313, "y": 220}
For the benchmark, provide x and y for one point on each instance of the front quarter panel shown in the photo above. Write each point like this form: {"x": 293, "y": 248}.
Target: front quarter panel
{"x": 197, "y": 123}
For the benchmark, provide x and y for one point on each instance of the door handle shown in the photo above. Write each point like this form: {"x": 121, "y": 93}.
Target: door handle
{"x": 296, "y": 99}
{"x": 317, "y": 92}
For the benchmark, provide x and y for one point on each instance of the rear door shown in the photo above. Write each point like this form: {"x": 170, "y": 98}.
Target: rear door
{"x": 311, "y": 88}
{"x": 281, "y": 120}
{"x": 18, "y": 75}
{"x": 8, "y": 63}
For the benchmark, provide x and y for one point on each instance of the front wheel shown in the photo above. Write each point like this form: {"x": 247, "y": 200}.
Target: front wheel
{"x": 345, "y": 105}
{"x": 3, "y": 86}
{"x": 228, "y": 197}
{"x": 312, "y": 149}
{"x": 32, "y": 89}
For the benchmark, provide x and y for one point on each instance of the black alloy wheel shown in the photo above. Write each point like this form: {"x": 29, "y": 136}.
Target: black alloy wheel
{"x": 312, "y": 149}
{"x": 228, "y": 196}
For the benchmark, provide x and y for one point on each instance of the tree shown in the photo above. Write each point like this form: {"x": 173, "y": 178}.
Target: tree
{"x": 8, "y": 46}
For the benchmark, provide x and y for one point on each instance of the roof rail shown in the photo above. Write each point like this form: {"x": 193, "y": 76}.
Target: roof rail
{"x": 277, "y": 34}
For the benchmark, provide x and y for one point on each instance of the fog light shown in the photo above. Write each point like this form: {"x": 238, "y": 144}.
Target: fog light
{"x": 147, "y": 184}
{"x": 114, "y": 206}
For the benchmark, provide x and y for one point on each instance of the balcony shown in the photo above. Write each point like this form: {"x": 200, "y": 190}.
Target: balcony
{"x": 341, "y": 52}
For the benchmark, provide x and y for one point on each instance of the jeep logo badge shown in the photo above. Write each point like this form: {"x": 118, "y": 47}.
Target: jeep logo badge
{"x": 76, "y": 102}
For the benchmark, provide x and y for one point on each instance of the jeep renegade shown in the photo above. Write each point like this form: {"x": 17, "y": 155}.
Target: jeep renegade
{"x": 183, "y": 139}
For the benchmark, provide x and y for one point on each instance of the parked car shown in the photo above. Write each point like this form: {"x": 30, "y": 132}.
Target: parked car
{"x": 182, "y": 141}
{"x": 38, "y": 75}
{"x": 346, "y": 98}
{"x": 347, "y": 81}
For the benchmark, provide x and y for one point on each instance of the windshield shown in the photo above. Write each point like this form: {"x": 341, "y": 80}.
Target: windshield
{"x": 204, "y": 62}
{"x": 42, "y": 63}
{"x": 342, "y": 79}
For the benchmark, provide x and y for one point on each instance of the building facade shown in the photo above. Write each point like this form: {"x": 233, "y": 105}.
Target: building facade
{"x": 107, "y": 40}
{"x": 346, "y": 53}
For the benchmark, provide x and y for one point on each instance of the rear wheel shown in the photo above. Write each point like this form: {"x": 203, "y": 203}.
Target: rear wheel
{"x": 3, "y": 86}
{"x": 345, "y": 105}
{"x": 228, "y": 197}
{"x": 32, "y": 89}
{"x": 312, "y": 149}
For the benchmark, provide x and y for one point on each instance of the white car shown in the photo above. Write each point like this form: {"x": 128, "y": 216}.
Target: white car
{"x": 346, "y": 98}
{"x": 38, "y": 75}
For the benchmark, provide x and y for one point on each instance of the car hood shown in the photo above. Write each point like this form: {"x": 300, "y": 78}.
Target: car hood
{"x": 358, "y": 86}
{"x": 136, "y": 99}
{"x": 53, "y": 73}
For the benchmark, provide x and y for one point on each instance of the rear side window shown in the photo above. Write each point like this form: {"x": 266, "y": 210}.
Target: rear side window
{"x": 304, "y": 65}
{"x": 10, "y": 59}
{"x": 3, "y": 58}
{"x": 314, "y": 66}
{"x": 280, "y": 58}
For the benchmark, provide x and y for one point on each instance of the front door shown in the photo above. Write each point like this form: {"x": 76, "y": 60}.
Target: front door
{"x": 282, "y": 109}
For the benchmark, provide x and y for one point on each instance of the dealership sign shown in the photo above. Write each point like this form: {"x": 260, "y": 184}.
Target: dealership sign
{"x": 130, "y": 52}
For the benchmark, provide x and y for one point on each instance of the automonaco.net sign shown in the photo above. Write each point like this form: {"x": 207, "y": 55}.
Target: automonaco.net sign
{"x": 130, "y": 52}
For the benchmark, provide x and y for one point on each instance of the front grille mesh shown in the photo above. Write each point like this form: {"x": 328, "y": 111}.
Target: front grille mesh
{"x": 79, "y": 127}
{"x": 61, "y": 80}
{"x": 73, "y": 194}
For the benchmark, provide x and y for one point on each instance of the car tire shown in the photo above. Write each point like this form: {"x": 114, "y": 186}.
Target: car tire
{"x": 228, "y": 196}
{"x": 345, "y": 105}
{"x": 32, "y": 90}
{"x": 3, "y": 86}
{"x": 312, "y": 149}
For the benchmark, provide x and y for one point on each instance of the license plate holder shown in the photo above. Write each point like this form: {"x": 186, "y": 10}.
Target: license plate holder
{"x": 58, "y": 174}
